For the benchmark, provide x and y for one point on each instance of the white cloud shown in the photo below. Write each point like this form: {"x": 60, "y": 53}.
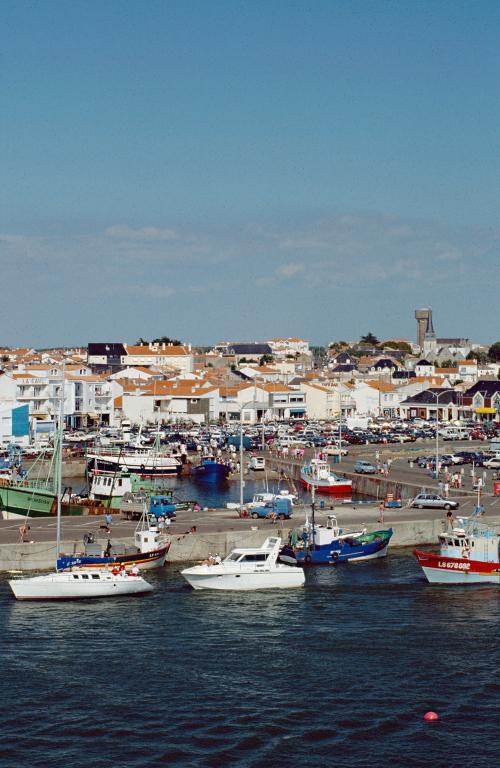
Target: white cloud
{"x": 124, "y": 232}
{"x": 290, "y": 270}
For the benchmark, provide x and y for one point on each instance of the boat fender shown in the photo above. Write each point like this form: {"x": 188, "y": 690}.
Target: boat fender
{"x": 307, "y": 558}
{"x": 334, "y": 556}
{"x": 466, "y": 552}
{"x": 115, "y": 571}
{"x": 142, "y": 467}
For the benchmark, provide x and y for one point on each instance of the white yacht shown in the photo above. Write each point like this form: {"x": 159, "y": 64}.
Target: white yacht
{"x": 247, "y": 569}
{"x": 71, "y": 585}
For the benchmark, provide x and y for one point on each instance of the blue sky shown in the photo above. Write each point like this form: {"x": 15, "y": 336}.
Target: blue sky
{"x": 243, "y": 170}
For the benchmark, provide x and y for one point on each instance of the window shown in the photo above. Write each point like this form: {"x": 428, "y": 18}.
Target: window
{"x": 85, "y": 576}
{"x": 75, "y": 576}
{"x": 95, "y": 576}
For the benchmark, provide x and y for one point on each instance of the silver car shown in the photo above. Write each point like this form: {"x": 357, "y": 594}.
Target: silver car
{"x": 433, "y": 501}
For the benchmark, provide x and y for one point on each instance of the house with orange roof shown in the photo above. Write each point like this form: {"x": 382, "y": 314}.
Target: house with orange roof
{"x": 327, "y": 400}
{"x": 156, "y": 402}
{"x": 159, "y": 354}
{"x": 468, "y": 371}
{"x": 374, "y": 397}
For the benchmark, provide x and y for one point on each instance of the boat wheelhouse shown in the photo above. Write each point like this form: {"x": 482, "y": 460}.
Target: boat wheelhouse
{"x": 318, "y": 475}
{"x": 468, "y": 554}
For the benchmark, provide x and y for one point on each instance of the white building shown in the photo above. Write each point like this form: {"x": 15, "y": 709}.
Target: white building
{"x": 160, "y": 355}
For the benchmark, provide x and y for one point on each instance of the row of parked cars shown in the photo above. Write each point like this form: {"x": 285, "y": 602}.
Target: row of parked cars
{"x": 488, "y": 459}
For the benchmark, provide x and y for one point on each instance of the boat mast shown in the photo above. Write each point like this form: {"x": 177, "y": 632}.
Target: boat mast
{"x": 312, "y": 546}
{"x": 58, "y": 464}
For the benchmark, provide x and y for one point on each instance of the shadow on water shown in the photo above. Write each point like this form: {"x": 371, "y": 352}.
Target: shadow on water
{"x": 340, "y": 672}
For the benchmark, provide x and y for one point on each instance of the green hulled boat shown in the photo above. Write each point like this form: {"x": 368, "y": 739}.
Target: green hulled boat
{"x": 31, "y": 496}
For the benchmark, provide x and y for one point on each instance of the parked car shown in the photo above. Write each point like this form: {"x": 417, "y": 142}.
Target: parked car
{"x": 364, "y": 468}
{"x": 493, "y": 463}
{"x": 433, "y": 501}
{"x": 334, "y": 450}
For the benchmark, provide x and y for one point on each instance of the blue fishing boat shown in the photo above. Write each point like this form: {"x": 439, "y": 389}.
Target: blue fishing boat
{"x": 328, "y": 545}
{"x": 211, "y": 470}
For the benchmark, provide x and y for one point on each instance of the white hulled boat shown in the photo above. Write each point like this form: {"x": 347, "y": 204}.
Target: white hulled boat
{"x": 247, "y": 569}
{"x": 77, "y": 583}
{"x": 71, "y": 585}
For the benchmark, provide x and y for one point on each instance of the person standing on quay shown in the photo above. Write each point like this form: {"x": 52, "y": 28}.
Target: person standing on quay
{"x": 381, "y": 509}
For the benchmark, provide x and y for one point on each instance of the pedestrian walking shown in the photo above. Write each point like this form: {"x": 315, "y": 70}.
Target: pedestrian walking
{"x": 446, "y": 489}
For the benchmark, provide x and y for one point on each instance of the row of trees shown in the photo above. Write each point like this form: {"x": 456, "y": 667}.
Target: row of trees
{"x": 492, "y": 355}
{"x": 160, "y": 340}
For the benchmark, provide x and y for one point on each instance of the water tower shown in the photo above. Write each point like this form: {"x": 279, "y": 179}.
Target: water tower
{"x": 424, "y": 320}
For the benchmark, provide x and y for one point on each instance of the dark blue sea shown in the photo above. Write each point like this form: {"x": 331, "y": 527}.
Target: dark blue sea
{"x": 339, "y": 673}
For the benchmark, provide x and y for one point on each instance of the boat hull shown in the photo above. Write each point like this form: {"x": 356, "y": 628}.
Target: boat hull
{"x": 440, "y": 569}
{"x": 142, "y": 560}
{"x": 71, "y": 586}
{"x": 143, "y": 466}
{"x": 213, "y": 472}
{"x": 342, "y": 488}
{"x": 218, "y": 578}
{"x": 23, "y": 501}
{"x": 347, "y": 550}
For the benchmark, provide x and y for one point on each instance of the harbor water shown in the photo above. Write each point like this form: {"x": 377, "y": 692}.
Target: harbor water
{"x": 338, "y": 673}
{"x": 216, "y": 495}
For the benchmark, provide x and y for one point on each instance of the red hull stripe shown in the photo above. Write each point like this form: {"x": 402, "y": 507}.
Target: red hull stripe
{"x": 444, "y": 563}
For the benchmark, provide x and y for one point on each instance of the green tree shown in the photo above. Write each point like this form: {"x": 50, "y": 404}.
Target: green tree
{"x": 494, "y": 352}
{"x": 481, "y": 357}
{"x": 266, "y": 359}
{"x": 370, "y": 339}
{"x": 167, "y": 340}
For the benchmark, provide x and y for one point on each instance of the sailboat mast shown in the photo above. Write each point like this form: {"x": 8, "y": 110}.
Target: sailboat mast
{"x": 58, "y": 463}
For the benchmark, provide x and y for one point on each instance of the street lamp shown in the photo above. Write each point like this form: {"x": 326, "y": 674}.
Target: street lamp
{"x": 437, "y": 395}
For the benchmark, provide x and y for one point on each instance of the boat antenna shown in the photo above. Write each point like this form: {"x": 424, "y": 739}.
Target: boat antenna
{"x": 58, "y": 465}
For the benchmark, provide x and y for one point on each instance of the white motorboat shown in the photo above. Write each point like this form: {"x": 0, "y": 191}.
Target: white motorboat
{"x": 247, "y": 569}
{"x": 79, "y": 583}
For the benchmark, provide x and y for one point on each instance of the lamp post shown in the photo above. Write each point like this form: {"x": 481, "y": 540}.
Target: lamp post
{"x": 437, "y": 395}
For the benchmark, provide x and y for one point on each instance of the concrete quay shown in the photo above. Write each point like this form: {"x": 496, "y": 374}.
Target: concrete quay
{"x": 218, "y": 530}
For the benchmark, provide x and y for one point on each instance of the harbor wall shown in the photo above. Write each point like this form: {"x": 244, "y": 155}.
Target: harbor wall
{"x": 195, "y": 546}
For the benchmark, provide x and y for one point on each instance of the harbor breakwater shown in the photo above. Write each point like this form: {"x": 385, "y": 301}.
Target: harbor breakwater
{"x": 188, "y": 547}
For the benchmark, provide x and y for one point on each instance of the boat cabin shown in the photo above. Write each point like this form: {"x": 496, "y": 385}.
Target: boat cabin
{"x": 482, "y": 545}
{"x": 267, "y": 554}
